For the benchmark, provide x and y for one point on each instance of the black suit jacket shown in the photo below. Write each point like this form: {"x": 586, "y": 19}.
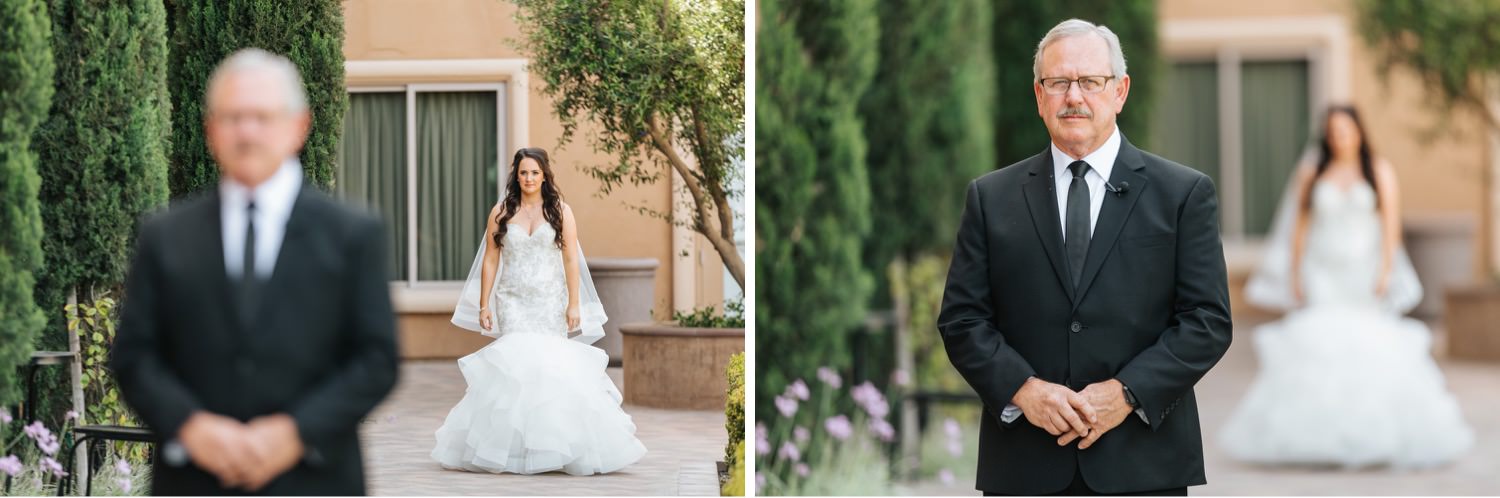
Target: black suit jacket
{"x": 321, "y": 347}
{"x": 1152, "y": 310}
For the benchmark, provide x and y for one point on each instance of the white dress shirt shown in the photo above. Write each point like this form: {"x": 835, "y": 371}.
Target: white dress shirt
{"x": 1101, "y": 164}
{"x": 273, "y": 207}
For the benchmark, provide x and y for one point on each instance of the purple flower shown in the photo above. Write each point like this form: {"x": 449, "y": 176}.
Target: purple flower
{"x": 955, "y": 447}
{"x": 839, "y": 427}
{"x": 124, "y": 483}
{"x": 946, "y": 476}
{"x": 50, "y": 446}
{"x": 10, "y": 465}
{"x": 122, "y": 466}
{"x": 71, "y": 415}
{"x": 760, "y": 482}
{"x": 802, "y": 469}
{"x": 830, "y": 376}
{"x": 36, "y": 430}
{"x": 869, "y": 397}
{"x": 762, "y": 440}
{"x": 789, "y": 451}
{"x": 882, "y": 429}
{"x": 5, "y": 416}
{"x": 787, "y": 406}
{"x": 900, "y": 377}
{"x": 951, "y": 427}
{"x": 798, "y": 390}
{"x": 801, "y": 434}
{"x": 50, "y": 465}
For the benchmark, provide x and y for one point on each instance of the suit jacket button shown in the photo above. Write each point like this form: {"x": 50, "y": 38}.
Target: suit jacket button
{"x": 1076, "y": 327}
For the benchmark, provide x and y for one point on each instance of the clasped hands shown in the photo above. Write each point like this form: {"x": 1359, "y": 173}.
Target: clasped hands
{"x": 242, "y": 455}
{"x": 1084, "y": 415}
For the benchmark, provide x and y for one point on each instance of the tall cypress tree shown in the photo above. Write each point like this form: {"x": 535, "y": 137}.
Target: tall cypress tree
{"x": 204, "y": 32}
{"x": 929, "y": 123}
{"x": 815, "y": 61}
{"x": 102, "y": 149}
{"x": 25, "y": 95}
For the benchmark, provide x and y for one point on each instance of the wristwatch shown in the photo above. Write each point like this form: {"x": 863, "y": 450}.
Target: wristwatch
{"x": 1130, "y": 398}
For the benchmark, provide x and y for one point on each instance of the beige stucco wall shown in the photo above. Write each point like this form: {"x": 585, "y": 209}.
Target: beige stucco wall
{"x": 1438, "y": 173}
{"x": 486, "y": 29}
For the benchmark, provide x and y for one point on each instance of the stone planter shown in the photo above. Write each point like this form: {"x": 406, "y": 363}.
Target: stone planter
{"x": 1472, "y": 312}
{"x": 1441, "y": 246}
{"x": 673, "y": 367}
{"x": 627, "y": 288}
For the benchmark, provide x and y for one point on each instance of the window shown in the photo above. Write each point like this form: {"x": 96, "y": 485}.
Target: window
{"x": 1243, "y": 122}
{"x": 428, "y": 159}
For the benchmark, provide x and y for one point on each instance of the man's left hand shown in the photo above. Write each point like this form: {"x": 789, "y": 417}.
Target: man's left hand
{"x": 275, "y": 439}
{"x": 1108, "y": 400}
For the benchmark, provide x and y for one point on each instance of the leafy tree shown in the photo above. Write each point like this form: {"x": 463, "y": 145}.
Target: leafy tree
{"x": 1451, "y": 46}
{"x": 658, "y": 78}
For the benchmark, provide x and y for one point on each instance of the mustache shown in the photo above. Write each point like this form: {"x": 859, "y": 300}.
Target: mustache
{"x": 1075, "y": 111}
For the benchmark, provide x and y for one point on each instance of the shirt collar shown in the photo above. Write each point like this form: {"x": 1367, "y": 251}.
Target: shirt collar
{"x": 274, "y": 196}
{"x": 1102, "y": 160}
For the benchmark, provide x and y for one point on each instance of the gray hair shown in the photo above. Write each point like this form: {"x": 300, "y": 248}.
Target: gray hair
{"x": 254, "y": 59}
{"x": 1077, "y": 27}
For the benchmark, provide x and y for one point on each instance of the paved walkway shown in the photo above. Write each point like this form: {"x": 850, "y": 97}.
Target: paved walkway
{"x": 1220, "y": 391}
{"x": 682, "y": 448}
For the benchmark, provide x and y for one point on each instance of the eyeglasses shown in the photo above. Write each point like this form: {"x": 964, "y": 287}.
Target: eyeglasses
{"x": 1088, "y": 84}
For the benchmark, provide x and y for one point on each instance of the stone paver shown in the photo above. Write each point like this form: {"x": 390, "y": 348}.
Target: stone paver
{"x": 1474, "y": 383}
{"x": 682, "y": 447}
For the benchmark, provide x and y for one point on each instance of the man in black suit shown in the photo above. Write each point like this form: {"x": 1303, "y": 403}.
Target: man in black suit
{"x": 257, "y": 327}
{"x": 1087, "y": 295}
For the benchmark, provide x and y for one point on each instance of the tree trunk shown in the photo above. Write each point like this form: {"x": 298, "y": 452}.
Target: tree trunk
{"x": 75, "y": 367}
{"x": 899, "y": 273}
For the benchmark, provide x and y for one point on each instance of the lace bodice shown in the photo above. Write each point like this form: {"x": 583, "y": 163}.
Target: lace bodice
{"x": 531, "y": 292}
{"x": 1343, "y": 253}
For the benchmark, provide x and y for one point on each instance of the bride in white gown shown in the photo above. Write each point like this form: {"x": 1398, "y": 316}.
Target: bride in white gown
{"x": 1344, "y": 378}
{"x": 536, "y": 400}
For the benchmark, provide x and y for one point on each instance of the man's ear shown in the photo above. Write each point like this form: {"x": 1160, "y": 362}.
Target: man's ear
{"x": 1121, "y": 93}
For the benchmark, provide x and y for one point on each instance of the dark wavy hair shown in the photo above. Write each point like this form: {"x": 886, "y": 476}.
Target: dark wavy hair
{"x": 551, "y": 196}
{"x": 1325, "y": 153}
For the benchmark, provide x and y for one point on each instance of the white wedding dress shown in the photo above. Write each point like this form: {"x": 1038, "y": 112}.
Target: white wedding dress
{"x": 1346, "y": 380}
{"x": 536, "y": 401}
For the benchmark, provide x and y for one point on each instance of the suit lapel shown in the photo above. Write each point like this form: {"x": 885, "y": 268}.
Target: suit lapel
{"x": 213, "y": 258}
{"x": 1112, "y": 215}
{"x": 1041, "y": 200}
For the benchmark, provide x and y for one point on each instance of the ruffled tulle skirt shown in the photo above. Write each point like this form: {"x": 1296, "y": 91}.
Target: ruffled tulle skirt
{"x": 537, "y": 403}
{"x": 1347, "y": 386}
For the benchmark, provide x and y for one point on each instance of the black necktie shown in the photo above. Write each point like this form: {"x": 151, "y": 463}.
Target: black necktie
{"x": 248, "y": 280}
{"x": 1077, "y": 226}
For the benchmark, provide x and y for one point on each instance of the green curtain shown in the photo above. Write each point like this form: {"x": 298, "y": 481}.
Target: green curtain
{"x": 372, "y": 166}
{"x": 1274, "y": 104}
{"x": 1186, "y": 122}
{"x": 457, "y": 176}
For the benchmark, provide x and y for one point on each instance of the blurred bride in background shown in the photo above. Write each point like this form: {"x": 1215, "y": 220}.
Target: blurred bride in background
{"x": 1344, "y": 378}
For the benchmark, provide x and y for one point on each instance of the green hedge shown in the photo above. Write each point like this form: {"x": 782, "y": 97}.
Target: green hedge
{"x": 814, "y": 62}
{"x": 102, "y": 154}
{"x": 204, "y": 32}
{"x": 929, "y": 122}
{"x": 734, "y": 406}
{"x": 25, "y": 94}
